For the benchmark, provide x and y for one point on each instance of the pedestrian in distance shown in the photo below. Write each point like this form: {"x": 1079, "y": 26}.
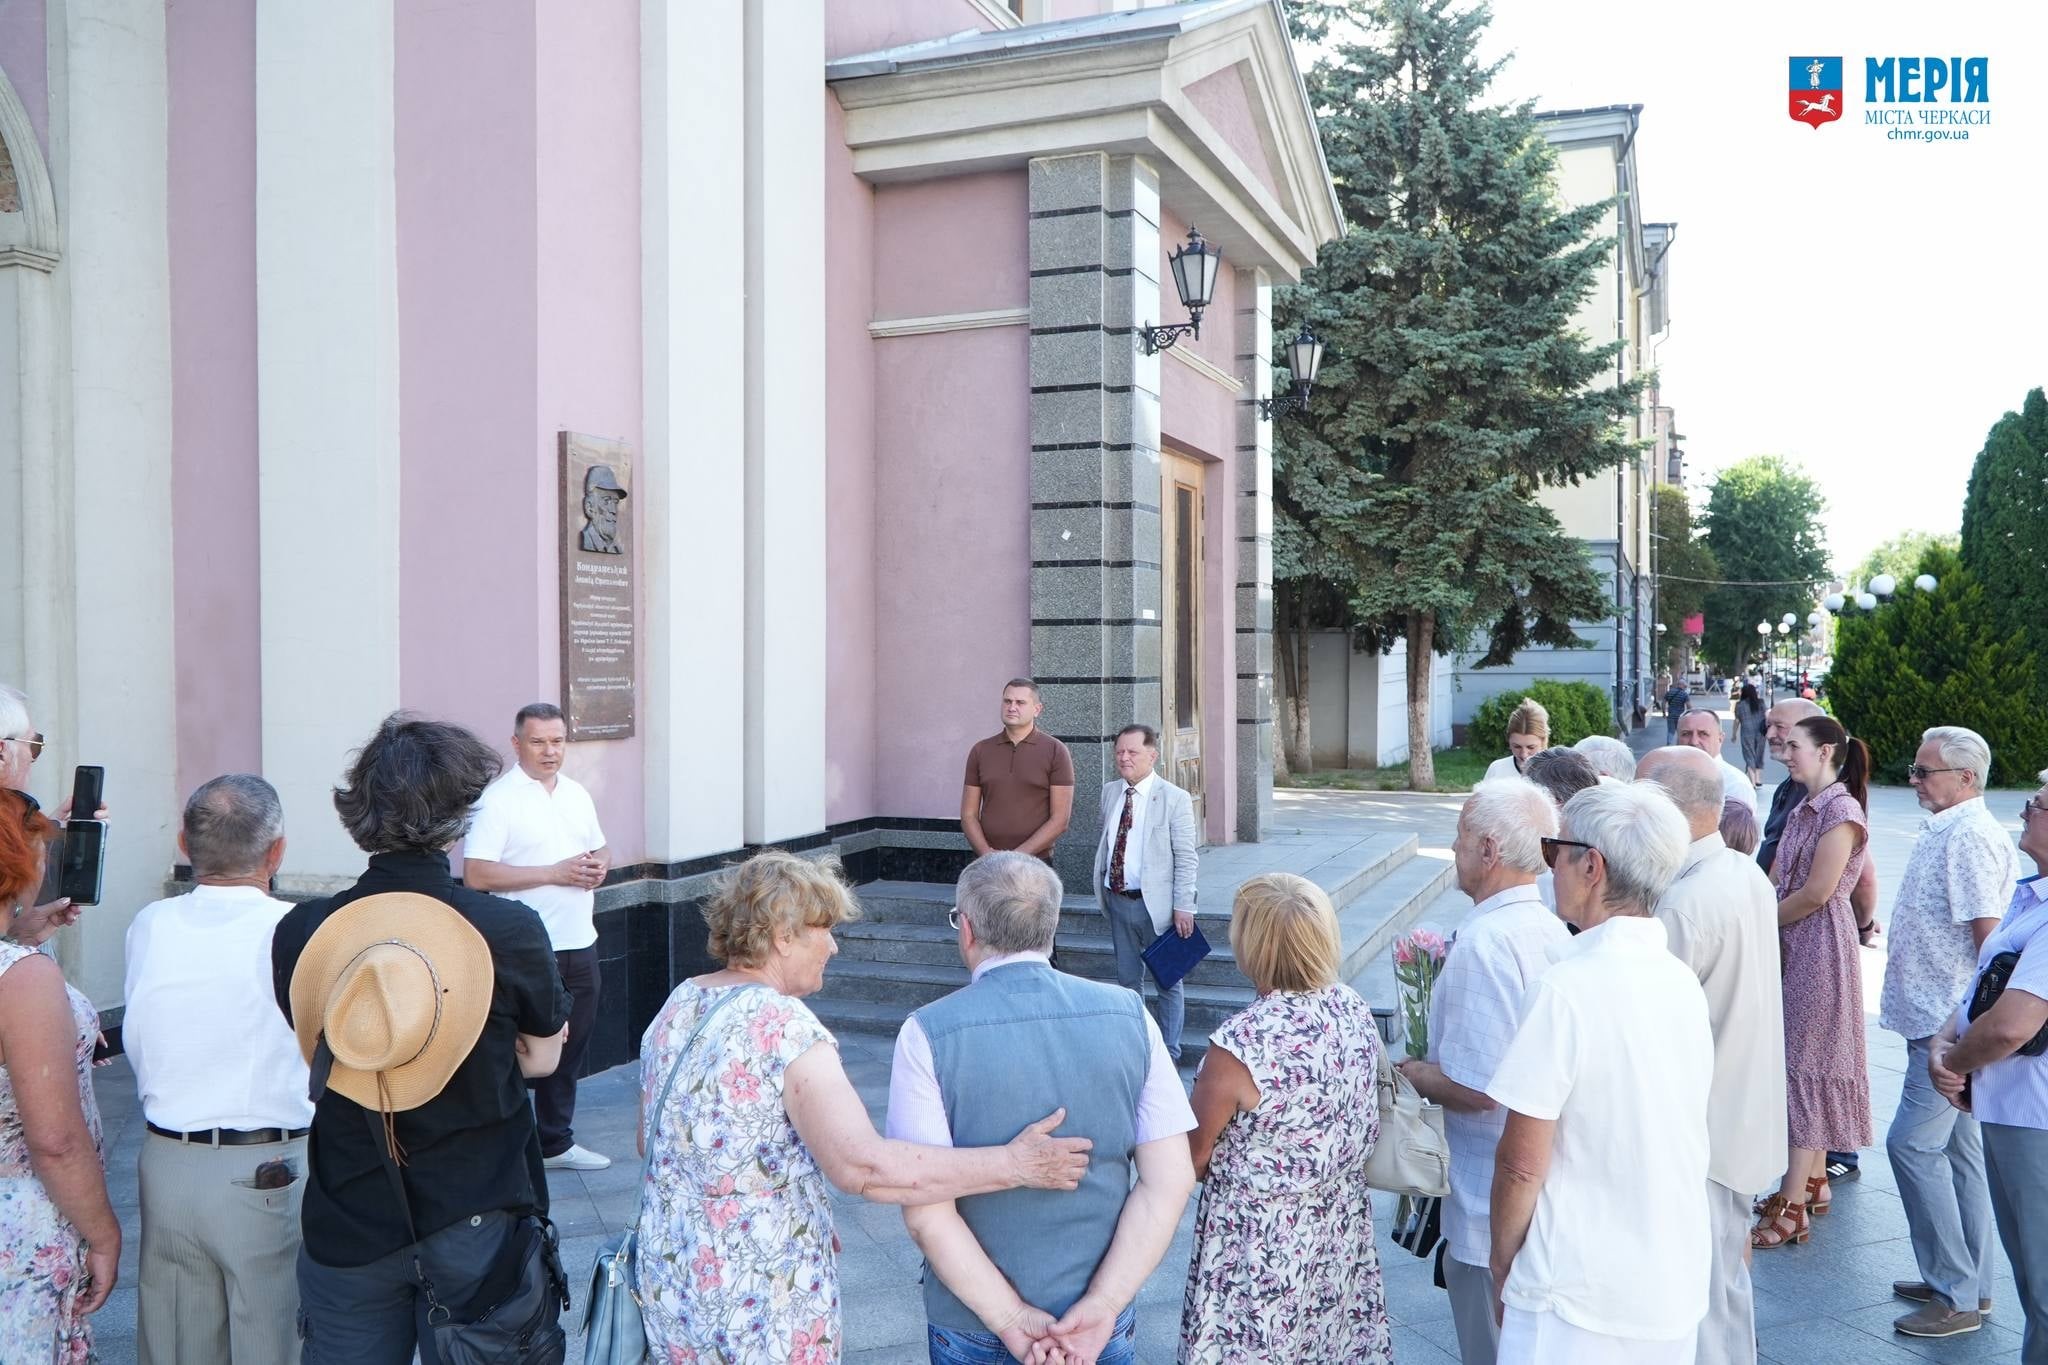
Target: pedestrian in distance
{"x": 1991, "y": 1060}
{"x": 1953, "y": 893}
{"x": 223, "y": 1091}
{"x": 1018, "y": 792}
{"x": 1750, "y": 719}
{"x": 535, "y": 839}
{"x": 1146, "y": 866}
{"x": 1286, "y": 1116}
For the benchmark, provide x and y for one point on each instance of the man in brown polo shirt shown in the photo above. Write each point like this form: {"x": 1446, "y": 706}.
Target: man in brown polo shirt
{"x": 1019, "y": 791}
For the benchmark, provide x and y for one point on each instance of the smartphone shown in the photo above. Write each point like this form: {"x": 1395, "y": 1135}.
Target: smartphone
{"x": 82, "y": 860}
{"x": 88, "y": 790}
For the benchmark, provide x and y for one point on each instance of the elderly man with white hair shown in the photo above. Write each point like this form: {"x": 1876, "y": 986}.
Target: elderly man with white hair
{"x": 1610, "y": 757}
{"x": 1722, "y": 916}
{"x": 1952, "y": 896}
{"x": 1503, "y": 945}
{"x": 1601, "y": 1246}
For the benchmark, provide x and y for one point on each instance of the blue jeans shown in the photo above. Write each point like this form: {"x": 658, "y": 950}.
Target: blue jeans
{"x": 952, "y": 1347}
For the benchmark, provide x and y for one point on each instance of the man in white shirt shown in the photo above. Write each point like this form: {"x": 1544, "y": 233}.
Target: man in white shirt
{"x": 1953, "y": 894}
{"x": 1146, "y": 865}
{"x": 1722, "y": 917}
{"x": 223, "y": 1094}
{"x": 1500, "y": 949}
{"x": 1599, "y": 1211}
{"x": 535, "y": 840}
{"x": 1701, "y": 729}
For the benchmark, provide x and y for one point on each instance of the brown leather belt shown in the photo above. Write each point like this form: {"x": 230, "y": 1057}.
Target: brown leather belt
{"x": 231, "y": 1137}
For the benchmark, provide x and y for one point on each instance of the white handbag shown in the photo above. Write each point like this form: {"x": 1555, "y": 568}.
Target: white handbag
{"x": 1412, "y": 1156}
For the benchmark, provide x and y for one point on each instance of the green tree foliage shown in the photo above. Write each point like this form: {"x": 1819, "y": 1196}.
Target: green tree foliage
{"x": 1456, "y": 384}
{"x": 1900, "y": 556}
{"x": 1763, "y": 525}
{"x": 1577, "y": 709}
{"x": 1686, "y": 567}
{"x": 2005, "y": 523}
{"x": 1939, "y": 658}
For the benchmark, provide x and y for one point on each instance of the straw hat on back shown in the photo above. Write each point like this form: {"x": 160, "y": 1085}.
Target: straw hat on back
{"x": 397, "y": 988}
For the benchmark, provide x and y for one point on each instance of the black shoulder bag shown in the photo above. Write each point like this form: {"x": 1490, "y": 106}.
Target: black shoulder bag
{"x": 524, "y": 1294}
{"x": 1990, "y": 985}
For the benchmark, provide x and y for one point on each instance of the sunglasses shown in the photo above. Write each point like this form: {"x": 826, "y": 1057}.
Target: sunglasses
{"x": 1920, "y": 773}
{"x": 1551, "y": 847}
{"x": 34, "y": 741}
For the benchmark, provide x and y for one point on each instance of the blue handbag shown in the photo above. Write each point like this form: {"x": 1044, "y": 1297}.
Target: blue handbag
{"x": 613, "y": 1333}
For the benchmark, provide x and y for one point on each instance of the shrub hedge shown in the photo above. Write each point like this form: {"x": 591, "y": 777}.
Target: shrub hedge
{"x": 1576, "y": 709}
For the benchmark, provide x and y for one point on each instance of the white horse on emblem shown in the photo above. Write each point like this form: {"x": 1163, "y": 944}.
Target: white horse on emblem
{"x": 1824, "y": 105}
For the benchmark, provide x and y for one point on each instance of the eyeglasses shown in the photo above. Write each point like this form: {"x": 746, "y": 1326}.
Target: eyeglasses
{"x": 2034, "y": 807}
{"x": 1921, "y": 774}
{"x": 34, "y": 741}
{"x": 1551, "y": 846}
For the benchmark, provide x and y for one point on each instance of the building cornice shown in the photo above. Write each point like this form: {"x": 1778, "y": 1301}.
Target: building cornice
{"x": 949, "y": 322}
{"x": 996, "y": 101}
{"x": 1215, "y": 374}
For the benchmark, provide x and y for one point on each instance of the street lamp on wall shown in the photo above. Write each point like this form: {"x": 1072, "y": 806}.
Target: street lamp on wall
{"x": 1195, "y": 267}
{"x": 1304, "y": 361}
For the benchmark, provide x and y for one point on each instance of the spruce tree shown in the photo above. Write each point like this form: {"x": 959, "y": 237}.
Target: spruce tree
{"x": 1456, "y": 384}
{"x": 2005, "y": 524}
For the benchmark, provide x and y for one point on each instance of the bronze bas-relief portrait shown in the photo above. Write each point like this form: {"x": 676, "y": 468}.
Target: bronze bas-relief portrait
{"x": 601, "y": 498}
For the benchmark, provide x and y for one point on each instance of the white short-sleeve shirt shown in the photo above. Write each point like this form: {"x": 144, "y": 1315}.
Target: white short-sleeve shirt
{"x": 521, "y": 823}
{"x": 1501, "y": 947}
{"x": 1615, "y": 1047}
{"x": 1736, "y": 786}
{"x": 1963, "y": 868}
{"x": 2014, "y": 1090}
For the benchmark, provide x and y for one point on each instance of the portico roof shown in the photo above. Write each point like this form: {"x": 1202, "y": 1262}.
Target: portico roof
{"x": 1208, "y": 91}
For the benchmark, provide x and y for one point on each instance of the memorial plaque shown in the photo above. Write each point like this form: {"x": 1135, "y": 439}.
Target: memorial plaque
{"x": 597, "y": 587}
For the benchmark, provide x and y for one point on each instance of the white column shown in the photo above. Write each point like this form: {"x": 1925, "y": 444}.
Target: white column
{"x": 693, "y": 479}
{"x": 785, "y": 430}
{"x": 115, "y": 529}
{"x": 327, "y": 375}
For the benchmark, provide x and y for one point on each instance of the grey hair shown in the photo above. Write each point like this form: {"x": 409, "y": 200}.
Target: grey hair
{"x": 1640, "y": 835}
{"x": 1013, "y": 901}
{"x": 1517, "y": 815}
{"x": 1961, "y": 748}
{"x": 230, "y": 823}
{"x": 412, "y": 787}
{"x": 13, "y": 710}
{"x": 1610, "y": 757}
{"x": 1561, "y": 771}
{"x": 1694, "y": 792}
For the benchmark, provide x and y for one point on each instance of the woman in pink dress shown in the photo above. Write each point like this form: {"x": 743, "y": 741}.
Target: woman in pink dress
{"x": 1827, "y": 1075}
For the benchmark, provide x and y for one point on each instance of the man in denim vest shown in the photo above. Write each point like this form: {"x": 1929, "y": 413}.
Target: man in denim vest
{"x": 1006, "y": 1269}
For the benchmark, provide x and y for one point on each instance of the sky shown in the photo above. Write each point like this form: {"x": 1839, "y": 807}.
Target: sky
{"x": 1866, "y": 307}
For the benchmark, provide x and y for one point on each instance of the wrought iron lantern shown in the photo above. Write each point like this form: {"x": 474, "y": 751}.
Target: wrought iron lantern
{"x": 1304, "y": 361}
{"x": 1195, "y": 267}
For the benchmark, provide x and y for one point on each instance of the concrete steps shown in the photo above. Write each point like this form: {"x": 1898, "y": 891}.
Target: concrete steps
{"x": 901, "y": 954}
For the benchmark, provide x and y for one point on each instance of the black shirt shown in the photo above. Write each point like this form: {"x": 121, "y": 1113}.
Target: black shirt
{"x": 1788, "y": 795}
{"x": 472, "y": 1148}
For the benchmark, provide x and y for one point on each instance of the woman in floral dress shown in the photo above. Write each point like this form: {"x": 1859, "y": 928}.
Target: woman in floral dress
{"x": 1286, "y": 1112}
{"x": 60, "y": 1246}
{"x": 737, "y": 1259}
{"x": 1827, "y": 1075}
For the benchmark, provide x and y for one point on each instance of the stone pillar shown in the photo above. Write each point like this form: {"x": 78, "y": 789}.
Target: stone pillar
{"x": 1095, "y": 571}
{"x": 1254, "y": 558}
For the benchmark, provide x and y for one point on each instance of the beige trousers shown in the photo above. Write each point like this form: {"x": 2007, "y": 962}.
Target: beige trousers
{"x": 219, "y": 1282}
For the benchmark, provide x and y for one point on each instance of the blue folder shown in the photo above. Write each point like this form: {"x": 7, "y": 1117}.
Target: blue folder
{"x": 1172, "y": 957}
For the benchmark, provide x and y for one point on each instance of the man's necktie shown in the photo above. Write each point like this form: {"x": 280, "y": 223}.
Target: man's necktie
{"x": 1123, "y": 834}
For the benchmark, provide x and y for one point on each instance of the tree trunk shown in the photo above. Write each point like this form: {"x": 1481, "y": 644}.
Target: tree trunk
{"x": 1421, "y": 758}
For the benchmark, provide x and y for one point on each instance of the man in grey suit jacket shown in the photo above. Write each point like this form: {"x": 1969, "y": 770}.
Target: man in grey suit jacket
{"x": 1145, "y": 868}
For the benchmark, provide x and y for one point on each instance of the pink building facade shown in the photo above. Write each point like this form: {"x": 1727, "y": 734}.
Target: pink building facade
{"x": 298, "y": 301}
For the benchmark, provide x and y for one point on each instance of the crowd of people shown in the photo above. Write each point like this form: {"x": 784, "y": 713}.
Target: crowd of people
{"x": 353, "y": 1103}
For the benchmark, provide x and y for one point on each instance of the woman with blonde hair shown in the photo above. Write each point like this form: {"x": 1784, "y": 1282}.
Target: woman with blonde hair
{"x": 1286, "y": 1112}
{"x": 746, "y": 1113}
{"x": 1528, "y": 735}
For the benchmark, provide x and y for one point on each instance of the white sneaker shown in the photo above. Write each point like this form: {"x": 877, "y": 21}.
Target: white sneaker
{"x": 576, "y": 1159}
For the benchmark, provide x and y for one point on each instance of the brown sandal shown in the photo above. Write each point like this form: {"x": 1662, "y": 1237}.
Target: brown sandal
{"x": 1781, "y": 1222}
{"x": 1815, "y": 1205}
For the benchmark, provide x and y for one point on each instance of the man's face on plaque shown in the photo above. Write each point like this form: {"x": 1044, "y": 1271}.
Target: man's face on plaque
{"x": 601, "y": 509}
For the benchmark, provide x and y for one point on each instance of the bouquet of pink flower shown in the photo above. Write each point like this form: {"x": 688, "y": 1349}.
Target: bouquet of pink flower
{"x": 1418, "y": 960}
